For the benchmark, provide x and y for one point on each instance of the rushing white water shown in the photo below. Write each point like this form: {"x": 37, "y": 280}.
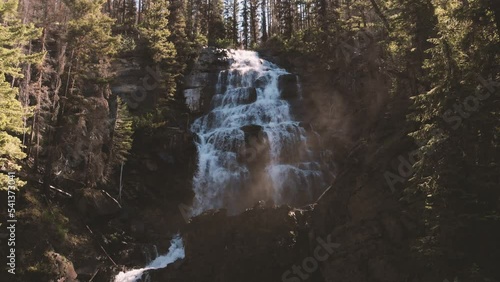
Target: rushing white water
{"x": 228, "y": 174}
{"x": 175, "y": 252}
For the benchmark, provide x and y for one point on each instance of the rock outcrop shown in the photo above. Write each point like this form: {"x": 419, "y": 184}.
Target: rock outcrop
{"x": 199, "y": 84}
{"x": 289, "y": 86}
{"x": 257, "y": 245}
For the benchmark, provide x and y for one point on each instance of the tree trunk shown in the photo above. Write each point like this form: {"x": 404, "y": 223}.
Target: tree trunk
{"x": 264, "y": 21}
{"x": 381, "y": 15}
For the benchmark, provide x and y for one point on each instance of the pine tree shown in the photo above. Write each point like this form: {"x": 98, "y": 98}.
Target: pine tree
{"x": 458, "y": 123}
{"x": 216, "y": 28}
{"x": 245, "y": 23}
{"x": 155, "y": 30}
{"x": 231, "y": 21}
{"x": 83, "y": 125}
{"x": 254, "y": 20}
{"x": 263, "y": 16}
{"x": 122, "y": 135}
{"x": 13, "y": 36}
{"x": 185, "y": 50}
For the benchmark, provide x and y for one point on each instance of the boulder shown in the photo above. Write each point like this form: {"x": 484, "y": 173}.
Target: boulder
{"x": 288, "y": 86}
{"x": 262, "y": 81}
{"x": 244, "y": 95}
{"x": 251, "y": 95}
{"x": 211, "y": 59}
{"x": 61, "y": 267}
{"x": 252, "y": 131}
{"x": 256, "y": 149}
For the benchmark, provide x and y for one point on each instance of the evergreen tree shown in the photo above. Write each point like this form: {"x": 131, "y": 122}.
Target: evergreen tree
{"x": 83, "y": 124}
{"x": 231, "y": 20}
{"x": 458, "y": 123}
{"x": 185, "y": 50}
{"x": 263, "y": 16}
{"x": 13, "y": 35}
{"x": 245, "y": 23}
{"x": 155, "y": 30}
{"x": 122, "y": 135}
{"x": 216, "y": 28}
{"x": 254, "y": 20}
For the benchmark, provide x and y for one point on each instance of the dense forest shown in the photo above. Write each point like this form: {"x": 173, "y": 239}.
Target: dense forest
{"x": 64, "y": 127}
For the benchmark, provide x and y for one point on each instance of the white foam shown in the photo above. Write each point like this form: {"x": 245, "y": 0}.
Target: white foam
{"x": 175, "y": 252}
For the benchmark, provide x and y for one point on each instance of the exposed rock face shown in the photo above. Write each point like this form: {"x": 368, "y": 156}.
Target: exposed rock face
{"x": 256, "y": 150}
{"x": 243, "y": 96}
{"x": 199, "y": 85}
{"x": 262, "y": 81}
{"x": 288, "y": 85}
{"x": 193, "y": 97}
{"x": 252, "y": 131}
{"x": 370, "y": 228}
{"x": 258, "y": 245}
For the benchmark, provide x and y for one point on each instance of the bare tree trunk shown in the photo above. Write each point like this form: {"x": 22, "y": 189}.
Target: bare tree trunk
{"x": 381, "y": 15}
{"x": 264, "y": 21}
{"x": 24, "y": 95}
{"x": 121, "y": 186}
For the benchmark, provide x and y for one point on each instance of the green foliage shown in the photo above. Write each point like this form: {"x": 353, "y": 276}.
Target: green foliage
{"x": 91, "y": 41}
{"x": 13, "y": 35}
{"x": 127, "y": 44}
{"x": 85, "y": 123}
{"x": 224, "y": 43}
{"x": 56, "y": 222}
{"x": 155, "y": 30}
{"x": 216, "y": 28}
{"x": 457, "y": 131}
{"x": 122, "y": 138}
{"x": 455, "y": 67}
{"x": 274, "y": 44}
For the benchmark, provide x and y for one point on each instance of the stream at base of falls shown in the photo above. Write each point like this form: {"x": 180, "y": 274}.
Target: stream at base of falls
{"x": 175, "y": 252}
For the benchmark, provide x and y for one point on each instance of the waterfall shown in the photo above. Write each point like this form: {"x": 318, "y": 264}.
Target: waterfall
{"x": 175, "y": 252}
{"x": 249, "y": 146}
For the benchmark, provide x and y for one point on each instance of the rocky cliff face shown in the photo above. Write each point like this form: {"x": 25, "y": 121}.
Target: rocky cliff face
{"x": 257, "y": 245}
{"x": 199, "y": 84}
{"x": 357, "y": 230}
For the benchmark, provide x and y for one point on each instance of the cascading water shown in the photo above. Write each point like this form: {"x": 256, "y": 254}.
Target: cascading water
{"x": 249, "y": 146}
{"x": 175, "y": 252}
